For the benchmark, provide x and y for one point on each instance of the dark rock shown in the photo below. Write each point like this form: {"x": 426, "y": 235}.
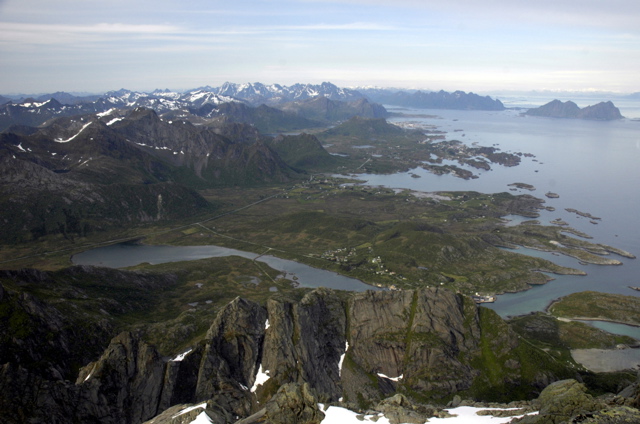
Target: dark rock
{"x": 561, "y": 402}
{"x": 294, "y": 404}
{"x": 305, "y": 341}
{"x": 231, "y": 354}
{"x": 180, "y": 380}
{"x": 125, "y": 382}
{"x": 398, "y": 409}
{"x": 419, "y": 335}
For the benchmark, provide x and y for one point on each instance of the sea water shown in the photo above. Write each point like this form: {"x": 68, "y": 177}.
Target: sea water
{"x": 592, "y": 165}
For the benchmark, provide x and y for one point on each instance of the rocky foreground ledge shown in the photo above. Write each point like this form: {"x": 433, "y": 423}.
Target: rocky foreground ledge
{"x": 565, "y": 401}
{"x": 281, "y": 360}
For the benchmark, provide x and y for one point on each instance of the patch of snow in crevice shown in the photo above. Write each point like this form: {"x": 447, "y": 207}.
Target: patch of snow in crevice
{"x": 181, "y": 357}
{"x": 266, "y": 324}
{"x": 59, "y": 140}
{"x": 21, "y": 148}
{"x": 103, "y": 114}
{"x": 346, "y": 347}
{"x": 261, "y": 378}
{"x": 189, "y": 409}
{"x": 90, "y": 373}
{"x": 391, "y": 378}
{"x": 114, "y": 120}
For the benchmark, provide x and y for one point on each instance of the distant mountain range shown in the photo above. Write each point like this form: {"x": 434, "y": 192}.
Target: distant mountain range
{"x": 237, "y": 102}
{"x": 314, "y": 104}
{"x": 603, "y": 111}
{"x": 434, "y": 100}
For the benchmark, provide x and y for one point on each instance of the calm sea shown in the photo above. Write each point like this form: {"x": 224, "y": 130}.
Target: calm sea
{"x": 593, "y": 166}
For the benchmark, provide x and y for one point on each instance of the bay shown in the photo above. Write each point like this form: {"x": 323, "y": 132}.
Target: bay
{"x": 592, "y": 165}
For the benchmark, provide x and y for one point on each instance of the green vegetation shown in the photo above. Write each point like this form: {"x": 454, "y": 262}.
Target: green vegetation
{"x": 551, "y": 333}
{"x": 174, "y": 304}
{"x": 599, "y": 306}
{"x": 403, "y": 239}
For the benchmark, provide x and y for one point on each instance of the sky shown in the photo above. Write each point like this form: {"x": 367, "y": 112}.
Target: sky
{"x": 480, "y": 46}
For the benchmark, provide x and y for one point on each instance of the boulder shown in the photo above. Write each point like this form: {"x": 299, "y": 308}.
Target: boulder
{"x": 294, "y": 404}
{"x": 562, "y": 401}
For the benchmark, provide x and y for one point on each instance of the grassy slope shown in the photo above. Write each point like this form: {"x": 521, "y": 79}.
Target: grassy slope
{"x": 600, "y": 306}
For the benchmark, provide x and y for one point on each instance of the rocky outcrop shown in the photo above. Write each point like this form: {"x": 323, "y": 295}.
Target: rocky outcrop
{"x": 231, "y": 354}
{"x": 603, "y": 111}
{"x": 293, "y": 404}
{"x": 329, "y": 347}
{"x": 125, "y": 384}
{"x": 304, "y": 343}
{"x": 413, "y": 339}
{"x": 566, "y": 401}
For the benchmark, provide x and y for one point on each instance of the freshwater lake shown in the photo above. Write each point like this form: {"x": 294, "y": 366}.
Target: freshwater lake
{"x": 592, "y": 165}
{"x": 128, "y": 254}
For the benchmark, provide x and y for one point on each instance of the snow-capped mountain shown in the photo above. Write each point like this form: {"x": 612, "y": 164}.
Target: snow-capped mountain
{"x": 256, "y": 93}
{"x": 34, "y": 113}
{"x": 200, "y": 101}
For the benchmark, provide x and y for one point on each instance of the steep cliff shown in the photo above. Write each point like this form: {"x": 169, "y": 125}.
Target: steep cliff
{"x": 357, "y": 348}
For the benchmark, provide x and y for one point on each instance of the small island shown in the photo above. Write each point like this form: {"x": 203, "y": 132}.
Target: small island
{"x": 603, "y": 111}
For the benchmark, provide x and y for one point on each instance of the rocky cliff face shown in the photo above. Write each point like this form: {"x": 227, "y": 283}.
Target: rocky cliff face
{"x": 359, "y": 348}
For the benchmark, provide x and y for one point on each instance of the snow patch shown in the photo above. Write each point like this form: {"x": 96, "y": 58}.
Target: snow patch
{"x": 34, "y": 104}
{"x": 266, "y": 324}
{"x": 346, "y": 347}
{"x": 261, "y": 378}
{"x": 391, "y": 378}
{"x": 202, "y": 418}
{"x": 90, "y": 373}
{"x": 463, "y": 415}
{"x": 114, "y": 120}
{"x": 191, "y": 408}
{"x": 181, "y": 357}
{"x": 59, "y": 140}
{"x": 338, "y": 415}
{"x": 21, "y": 148}
{"x": 103, "y": 114}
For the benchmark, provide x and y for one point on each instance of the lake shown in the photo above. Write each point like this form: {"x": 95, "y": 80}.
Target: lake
{"x": 130, "y": 254}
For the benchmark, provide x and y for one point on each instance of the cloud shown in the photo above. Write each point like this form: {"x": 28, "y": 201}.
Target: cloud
{"x": 51, "y": 34}
{"x": 47, "y": 34}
